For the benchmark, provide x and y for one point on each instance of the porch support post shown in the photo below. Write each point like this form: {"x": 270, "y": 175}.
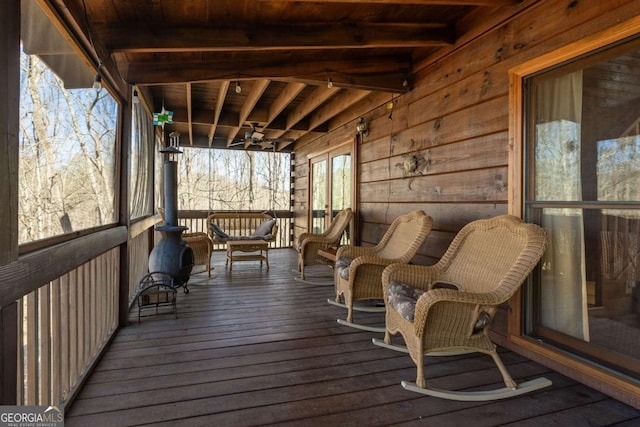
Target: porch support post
{"x": 124, "y": 210}
{"x": 9, "y": 129}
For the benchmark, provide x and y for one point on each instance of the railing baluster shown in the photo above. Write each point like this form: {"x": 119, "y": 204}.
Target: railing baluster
{"x": 31, "y": 350}
{"x": 65, "y": 336}
{"x": 64, "y": 325}
{"x": 56, "y": 342}
{"x": 44, "y": 347}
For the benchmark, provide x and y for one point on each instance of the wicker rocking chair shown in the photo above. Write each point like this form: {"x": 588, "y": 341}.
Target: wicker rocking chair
{"x": 310, "y": 243}
{"x": 358, "y": 271}
{"x": 446, "y": 309}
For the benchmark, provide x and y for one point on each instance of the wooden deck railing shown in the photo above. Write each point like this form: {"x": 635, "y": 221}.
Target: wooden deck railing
{"x": 138, "y": 259}
{"x": 68, "y": 320}
{"x": 70, "y": 301}
{"x": 66, "y": 323}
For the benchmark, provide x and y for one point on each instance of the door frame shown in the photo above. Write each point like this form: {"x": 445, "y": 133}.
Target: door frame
{"x": 346, "y": 147}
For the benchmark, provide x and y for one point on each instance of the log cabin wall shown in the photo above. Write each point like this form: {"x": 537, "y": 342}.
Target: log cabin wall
{"x": 456, "y": 120}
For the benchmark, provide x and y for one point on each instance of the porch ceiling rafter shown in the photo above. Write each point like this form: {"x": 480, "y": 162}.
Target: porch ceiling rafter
{"x": 307, "y": 36}
{"x": 209, "y": 61}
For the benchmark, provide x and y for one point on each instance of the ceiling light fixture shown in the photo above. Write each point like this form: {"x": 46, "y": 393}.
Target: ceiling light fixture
{"x": 135, "y": 99}
{"x": 238, "y": 87}
{"x": 389, "y": 107}
{"x": 97, "y": 82}
{"x": 362, "y": 127}
{"x": 329, "y": 82}
{"x": 405, "y": 82}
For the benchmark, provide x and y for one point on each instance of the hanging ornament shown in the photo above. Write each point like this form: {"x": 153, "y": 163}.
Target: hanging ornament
{"x": 164, "y": 116}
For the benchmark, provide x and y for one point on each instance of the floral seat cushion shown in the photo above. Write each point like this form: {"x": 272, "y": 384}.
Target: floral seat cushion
{"x": 342, "y": 267}
{"x": 403, "y": 299}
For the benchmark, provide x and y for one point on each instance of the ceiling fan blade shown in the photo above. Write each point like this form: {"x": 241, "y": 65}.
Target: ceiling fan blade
{"x": 265, "y": 144}
{"x": 279, "y": 139}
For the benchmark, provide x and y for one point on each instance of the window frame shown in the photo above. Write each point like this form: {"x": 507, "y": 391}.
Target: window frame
{"x": 568, "y": 363}
{"x": 121, "y": 103}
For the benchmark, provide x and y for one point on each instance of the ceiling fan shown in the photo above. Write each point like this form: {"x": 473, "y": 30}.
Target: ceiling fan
{"x": 254, "y": 136}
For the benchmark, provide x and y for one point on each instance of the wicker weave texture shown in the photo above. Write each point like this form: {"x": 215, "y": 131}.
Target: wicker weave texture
{"x": 310, "y": 243}
{"x": 488, "y": 261}
{"x": 399, "y": 244}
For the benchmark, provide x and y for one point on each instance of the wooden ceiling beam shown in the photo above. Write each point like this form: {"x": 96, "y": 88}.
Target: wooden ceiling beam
{"x": 222, "y": 94}
{"x": 355, "y": 35}
{"x": 228, "y": 120}
{"x": 285, "y": 98}
{"x": 369, "y": 73}
{"x": 257, "y": 90}
{"x": 389, "y": 81}
{"x": 488, "y": 3}
{"x": 189, "y": 112}
{"x": 313, "y": 101}
{"x": 201, "y": 141}
{"x": 339, "y": 103}
{"x": 203, "y": 117}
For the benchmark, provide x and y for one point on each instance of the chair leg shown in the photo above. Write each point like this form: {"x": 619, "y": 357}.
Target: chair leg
{"x": 349, "y": 311}
{"x": 508, "y": 381}
{"x": 420, "y": 382}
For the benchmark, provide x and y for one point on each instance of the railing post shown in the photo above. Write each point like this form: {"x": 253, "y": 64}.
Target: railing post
{"x": 9, "y": 354}
{"x": 124, "y": 215}
{"x": 9, "y": 125}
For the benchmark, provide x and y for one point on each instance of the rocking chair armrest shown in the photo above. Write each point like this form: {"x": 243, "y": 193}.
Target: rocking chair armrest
{"x": 305, "y": 236}
{"x": 366, "y": 267}
{"x": 461, "y": 307}
{"x": 371, "y": 260}
{"x": 434, "y": 296}
{"x": 316, "y": 239}
{"x": 417, "y": 276}
{"x": 355, "y": 251}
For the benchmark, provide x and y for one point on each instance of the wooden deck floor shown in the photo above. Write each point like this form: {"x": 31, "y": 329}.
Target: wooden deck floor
{"x": 258, "y": 348}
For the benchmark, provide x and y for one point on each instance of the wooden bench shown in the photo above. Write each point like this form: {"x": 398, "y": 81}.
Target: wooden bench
{"x": 240, "y": 226}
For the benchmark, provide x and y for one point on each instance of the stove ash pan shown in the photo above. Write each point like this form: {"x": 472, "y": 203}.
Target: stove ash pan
{"x": 173, "y": 256}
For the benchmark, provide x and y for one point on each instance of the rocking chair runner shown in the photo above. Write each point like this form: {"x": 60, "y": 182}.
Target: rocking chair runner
{"x": 447, "y": 308}
{"x": 361, "y": 278}
{"x": 310, "y": 243}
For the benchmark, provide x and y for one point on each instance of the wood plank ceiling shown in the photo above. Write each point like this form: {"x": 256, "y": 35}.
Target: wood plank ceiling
{"x": 283, "y": 69}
